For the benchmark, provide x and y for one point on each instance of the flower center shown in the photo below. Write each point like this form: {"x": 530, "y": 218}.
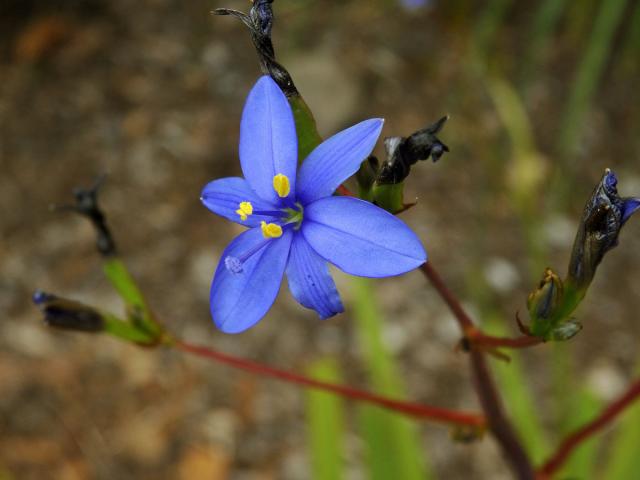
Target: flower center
{"x": 294, "y": 216}
{"x": 271, "y": 230}
{"x": 282, "y": 186}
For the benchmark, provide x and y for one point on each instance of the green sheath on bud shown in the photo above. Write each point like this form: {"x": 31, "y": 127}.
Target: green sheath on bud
{"x": 543, "y": 302}
{"x": 383, "y": 184}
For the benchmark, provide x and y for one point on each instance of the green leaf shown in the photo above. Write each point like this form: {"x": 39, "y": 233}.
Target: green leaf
{"x": 308, "y": 136}
{"x": 487, "y": 25}
{"x": 548, "y": 14}
{"x": 623, "y": 459}
{"x": 389, "y": 197}
{"x": 582, "y": 461}
{"x": 393, "y": 443}
{"x": 122, "y": 281}
{"x": 325, "y": 423}
{"x": 137, "y": 310}
{"x": 128, "y": 331}
{"x": 589, "y": 73}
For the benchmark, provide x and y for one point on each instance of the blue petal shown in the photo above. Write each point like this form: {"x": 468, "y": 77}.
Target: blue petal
{"x": 630, "y": 206}
{"x": 414, "y": 4}
{"x": 310, "y": 281}
{"x": 223, "y": 198}
{"x": 360, "y": 238}
{"x": 239, "y": 301}
{"x": 268, "y": 142}
{"x": 336, "y": 159}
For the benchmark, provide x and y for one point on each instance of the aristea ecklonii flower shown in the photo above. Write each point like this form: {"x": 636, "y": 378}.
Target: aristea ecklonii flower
{"x": 296, "y": 224}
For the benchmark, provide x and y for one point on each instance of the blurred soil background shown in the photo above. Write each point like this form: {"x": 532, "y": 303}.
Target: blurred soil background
{"x": 151, "y": 92}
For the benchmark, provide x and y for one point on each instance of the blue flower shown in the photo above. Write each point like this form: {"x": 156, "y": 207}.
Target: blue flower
{"x": 295, "y": 223}
{"x": 414, "y": 4}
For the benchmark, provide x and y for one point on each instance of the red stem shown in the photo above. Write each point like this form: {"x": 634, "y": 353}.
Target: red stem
{"x": 480, "y": 339}
{"x": 576, "y": 438}
{"x": 344, "y": 191}
{"x": 465, "y": 322}
{"x": 416, "y": 410}
{"x": 499, "y": 424}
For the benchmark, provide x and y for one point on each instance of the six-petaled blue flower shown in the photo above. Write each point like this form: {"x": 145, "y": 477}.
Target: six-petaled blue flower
{"x": 296, "y": 224}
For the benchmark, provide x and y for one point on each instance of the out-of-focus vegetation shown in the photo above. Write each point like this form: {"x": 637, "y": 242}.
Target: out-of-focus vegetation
{"x": 541, "y": 97}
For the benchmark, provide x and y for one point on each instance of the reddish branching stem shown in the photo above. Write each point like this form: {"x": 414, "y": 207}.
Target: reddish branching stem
{"x": 583, "y": 433}
{"x": 499, "y": 424}
{"x": 479, "y": 339}
{"x": 415, "y": 410}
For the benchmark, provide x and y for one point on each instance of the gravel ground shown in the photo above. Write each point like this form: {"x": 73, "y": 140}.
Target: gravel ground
{"x": 150, "y": 92}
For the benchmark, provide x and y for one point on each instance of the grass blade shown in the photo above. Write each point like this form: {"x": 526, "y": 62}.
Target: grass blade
{"x": 545, "y": 21}
{"x": 589, "y": 73}
{"x": 582, "y": 463}
{"x": 623, "y": 459}
{"x": 517, "y": 396}
{"x": 325, "y": 423}
{"x": 393, "y": 442}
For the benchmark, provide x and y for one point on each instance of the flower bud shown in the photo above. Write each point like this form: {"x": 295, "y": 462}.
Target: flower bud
{"x": 68, "y": 314}
{"x": 604, "y": 215}
{"x": 543, "y": 302}
{"x": 86, "y": 205}
{"x": 551, "y": 305}
{"x": 259, "y": 21}
{"x": 403, "y": 152}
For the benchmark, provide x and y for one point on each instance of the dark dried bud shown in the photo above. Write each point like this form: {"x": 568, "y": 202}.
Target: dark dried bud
{"x": 403, "y": 152}
{"x": 604, "y": 215}
{"x": 259, "y": 21}
{"x": 68, "y": 314}
{"x": 87, "y": 206}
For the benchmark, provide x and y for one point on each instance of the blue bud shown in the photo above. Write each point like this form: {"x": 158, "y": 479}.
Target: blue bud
{"x": 68, "y": 314}
{"x": 604, "y": 215}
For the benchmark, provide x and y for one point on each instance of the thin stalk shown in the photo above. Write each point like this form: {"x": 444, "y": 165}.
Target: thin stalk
{"x": 571, "y": 442}
{"x": 481, "y": 340}
{"x": 416, "y": 410}
{"x": 499, "y": 425}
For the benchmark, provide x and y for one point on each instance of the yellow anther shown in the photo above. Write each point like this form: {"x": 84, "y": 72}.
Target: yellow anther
{"x": 281, "y": 185}
{"x": 245, "y": 210}
{"x": 271, "y": 230}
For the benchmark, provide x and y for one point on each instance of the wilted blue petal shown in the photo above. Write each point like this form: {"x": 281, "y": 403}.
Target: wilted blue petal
{"x": 630, "y": 206}
{"x": 223, "y": 197}
{"x": 336, "y": 159}
{"x": 360, "y": 238}
{"x": 268, "y": 142}
{"x": 310, "y": 281}
{"x": 240, "y": 300}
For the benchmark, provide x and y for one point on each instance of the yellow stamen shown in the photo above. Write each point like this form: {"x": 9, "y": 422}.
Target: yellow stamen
{"x": 245, "y": 210}
{"x": 271, "y": 230}
{"x": 281, "y": 185}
